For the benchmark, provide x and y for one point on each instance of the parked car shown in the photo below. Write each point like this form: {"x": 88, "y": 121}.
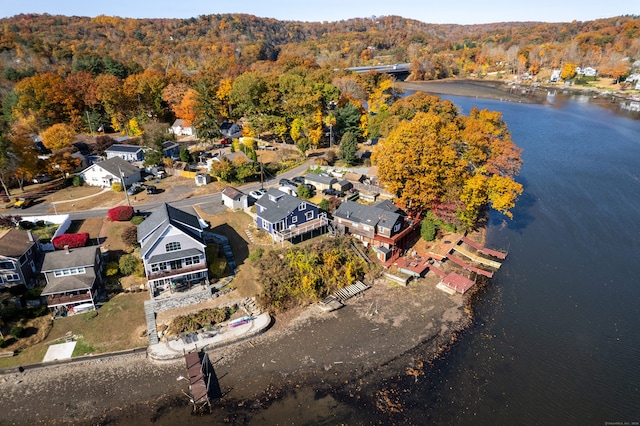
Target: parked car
{"x": 134, "y": 189}
{"x": 332, "y": 192}
{"x": 258, "y": 193}
{"x": 41, "y": 178}
{"x": 298, "y": 179}
{"x": 287, "y": 182}
{"x": 151, "y": 189}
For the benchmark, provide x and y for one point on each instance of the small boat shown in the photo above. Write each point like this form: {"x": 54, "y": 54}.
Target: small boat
{"x": 240, "y": 321}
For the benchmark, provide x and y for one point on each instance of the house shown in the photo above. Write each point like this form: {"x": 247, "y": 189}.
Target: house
{"x": 18, "y": 258}
{"x": 382, "y": 226}
{"x": 179, "y": 128}
{"x": 234, "y": 198}
{"x": 587, "y": 71}
{"x": 170, "y": 149}
{"x": 107, "y": 172}
{"x": 172, "y": 248}
{"x": 320, "y": 181}
{"x": 230, "y": 130}
{"x": 285, "y": 216}
{"x": 73, "y": 278}
{"x": 126, "y": 152}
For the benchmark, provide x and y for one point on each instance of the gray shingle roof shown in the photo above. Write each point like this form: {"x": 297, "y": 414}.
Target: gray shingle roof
{"x": 69, "y": 283}
{"x": 115, "y": 164}
{"x": 325, "y": 180}
{"x": 14, "y": 243}
{"x": 173, "y": 255}
{"x": 163, "y": 217}
{"x": 278, "y": 205}
{"x": 129, "y": 149}
{"x": 368, "y": 215}
{"x": 60, "y": 259}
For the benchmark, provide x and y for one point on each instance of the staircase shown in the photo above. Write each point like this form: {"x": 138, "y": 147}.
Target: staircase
{"x": 151, "y": 324}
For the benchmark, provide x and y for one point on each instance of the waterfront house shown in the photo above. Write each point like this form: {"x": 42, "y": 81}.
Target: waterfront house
{"x": 172, "y": 248}
{"x": 383, "y": 226}
{"x": 126, "y": 152}
{"x": 107, "y": 172}
{"x": 285, "y": 216}
{"x": 18, "y": 258}
{"x": 73, "y": 278}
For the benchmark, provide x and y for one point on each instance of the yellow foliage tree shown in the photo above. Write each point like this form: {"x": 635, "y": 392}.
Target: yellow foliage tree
{"x": 58, "y": 136}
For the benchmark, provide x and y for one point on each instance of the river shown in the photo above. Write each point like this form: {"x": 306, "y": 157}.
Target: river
{"x": 556, "y": 338}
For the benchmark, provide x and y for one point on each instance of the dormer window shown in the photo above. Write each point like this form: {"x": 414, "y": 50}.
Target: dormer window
{"x": 303, "y": 206}
{"x": 172, "y": 246}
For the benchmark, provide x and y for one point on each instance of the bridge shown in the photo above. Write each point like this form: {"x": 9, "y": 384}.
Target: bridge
{"x": 401, "y": 71}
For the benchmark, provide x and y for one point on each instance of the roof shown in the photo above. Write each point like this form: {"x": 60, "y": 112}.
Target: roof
{"x": 368, "y": 215}
{"x": 76, "y": 257}
{"x": 227, "y": 125}
{"x": 129, "y": 149}
{"x": 278, "y": 205}
{"x": 232, "y": 193}
{"x": 173, "y": 255}
{"x": 178, "y": 122}
{"x": 116, "y": 164}
{"x": 388, "y": 206}
{"x": 163, "y": 217}
{"x": 14, "y": 243}
{"x": 326, "y": 180}
{"x": 69, "y": 282}
{"x": 169, "y": 145}
{"x": 353, "y": 177}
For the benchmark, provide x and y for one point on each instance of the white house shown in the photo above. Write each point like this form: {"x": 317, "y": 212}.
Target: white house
{"x": 115, "y": 169}
{"x": 179, "y": 128}
{"x": 172, "y": 248}
{"x": 230, "y": 130}
{"x": 126, "y": 152}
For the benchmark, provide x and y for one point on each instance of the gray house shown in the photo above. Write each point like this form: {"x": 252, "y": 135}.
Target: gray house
{"x": 18, "y": 258}
{"x": 73, "y": 277}
{"x": 320, "y": 181}
{"x": 172, "y": 249}
{"x": 126, "y": 152}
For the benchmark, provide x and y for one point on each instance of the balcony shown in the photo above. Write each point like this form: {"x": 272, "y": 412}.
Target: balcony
{"x": 66, "y": 299}
{"x": 174, "y": 272}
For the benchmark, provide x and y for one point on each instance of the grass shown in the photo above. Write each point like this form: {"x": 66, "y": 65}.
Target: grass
{"x": 119, "y": 324}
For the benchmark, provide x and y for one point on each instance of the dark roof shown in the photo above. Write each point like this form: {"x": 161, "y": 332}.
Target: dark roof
{"x": 76, "y": 257}
{"x": 115, "y": 164}
{"x": 173, "y": 255}
{"x": 163, "y": 217}
{"x": 388, "y": 206}
{"x": 129, "y": 149}
{"x": 233, "y": 193}
{"x": 14, "y": 243}
{"x": 326, "y": 180}
{"x": 169, "y": 145}
{"x": 278, "y": 205}
{"x": 368, "y": 215}
{"x": 68, "y": 283}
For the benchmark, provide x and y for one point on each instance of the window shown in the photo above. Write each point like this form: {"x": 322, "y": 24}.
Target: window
{"x": 172, "y": 246}
{"x": 69, "y": 271}
{"x": 12, "y": 277}
{"x": 294, "y": 219}
{"x": 396, "y": 227}
{"x": 192, "y": 260}
{"x": 158, "y": 267}
{"x": 303, "y": 206}
{"x": 23, "y": 259}
{"x": 309, "y": 215}
{"x": 6, "y": 264}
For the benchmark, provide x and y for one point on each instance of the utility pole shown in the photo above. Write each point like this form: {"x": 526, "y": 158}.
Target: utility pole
{"x": 124, "y": 186}
{"x": 89, "y": 121}
{"x": 261, "y": 173}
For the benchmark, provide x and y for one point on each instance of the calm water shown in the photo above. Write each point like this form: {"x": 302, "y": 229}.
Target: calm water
{"x": 556, "y": 339}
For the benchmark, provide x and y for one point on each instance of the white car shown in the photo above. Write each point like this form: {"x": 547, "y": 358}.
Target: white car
{"x": 258, "y": 193}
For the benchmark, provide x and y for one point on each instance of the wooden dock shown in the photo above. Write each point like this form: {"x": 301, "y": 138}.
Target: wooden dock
{"x": 468, "y": 267}
{"x": 494, "y": 253}
{"x": 478, "y": 259}
{"x": 199, "y": 379}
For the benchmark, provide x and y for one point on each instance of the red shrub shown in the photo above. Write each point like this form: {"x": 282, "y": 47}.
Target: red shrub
{"x": 71, "y": 240}
{"x": 120, "y": 213}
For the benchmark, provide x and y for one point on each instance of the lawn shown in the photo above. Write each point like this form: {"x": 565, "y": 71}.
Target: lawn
{"x": 119, "y": 324}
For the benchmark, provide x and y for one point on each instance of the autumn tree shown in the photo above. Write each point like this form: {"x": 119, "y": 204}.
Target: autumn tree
{"x": 58, "y": 136}
{"x": 348, "y": 148}
{"x": 437, "y": 160}
{"x": 24, "y": 149}
{"x": 63, "y": 162}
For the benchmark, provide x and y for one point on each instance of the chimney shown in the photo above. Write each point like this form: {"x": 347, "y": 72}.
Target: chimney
{"x": 30, "y": 236}
{"x": 66, "y": 248}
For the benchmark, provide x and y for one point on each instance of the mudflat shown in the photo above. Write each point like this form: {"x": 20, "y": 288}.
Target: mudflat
{"x": 485, "y": 89}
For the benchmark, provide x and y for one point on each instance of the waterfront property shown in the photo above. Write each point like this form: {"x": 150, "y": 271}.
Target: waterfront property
{"x": 286, "y": 217}
{"x": 172, "y": 248}
{"x": 18, "y": 258}
{"x": 382, "y": 226}
{"x": 73, "y": 278}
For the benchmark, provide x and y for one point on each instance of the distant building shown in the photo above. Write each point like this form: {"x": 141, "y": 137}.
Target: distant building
{"x": 107, "y": 172}
{"x": 18, "y": 258}
{"x": 126, "y": 152}
{"x": 179, "y": 128}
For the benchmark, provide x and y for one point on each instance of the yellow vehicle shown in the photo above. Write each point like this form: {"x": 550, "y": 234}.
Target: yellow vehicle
{"x": 23, "y": 203}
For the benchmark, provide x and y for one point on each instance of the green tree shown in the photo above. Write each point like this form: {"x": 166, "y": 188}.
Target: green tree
{"x": 428, "y": 229}
{"x": 348, "y": 148}
{"x": 184, "y": 155}
{"x": 348, "y": 120}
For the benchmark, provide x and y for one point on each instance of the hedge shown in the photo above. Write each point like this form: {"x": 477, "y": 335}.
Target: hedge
{"x": 120, "y": 213}
{"x": 71, "y": 240}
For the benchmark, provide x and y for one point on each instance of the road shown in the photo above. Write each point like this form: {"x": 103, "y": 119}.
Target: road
{"x": 210, "y": 203}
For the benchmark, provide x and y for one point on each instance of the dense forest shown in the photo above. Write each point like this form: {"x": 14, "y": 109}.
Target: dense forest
{"x": 287, "y": 80}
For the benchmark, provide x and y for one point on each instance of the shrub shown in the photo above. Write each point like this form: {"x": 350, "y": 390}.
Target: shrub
{"x": 25, "y": 224}
{"x": 128, "y": 264}
{"x": 137, "y": 220}
{"x": 324, "y": 205}
{"x": 77, "y": 181}
{"x": 71, "y": 240}
{"x": 1, "y": 342}
{"x": 120, "y": 213}
{"x": 428, "y": 229}
{"x": 303, "y": 192}
{"x": 117, "y": 187}
{"x": 16, "y": 331}
{"x": 257, "y": 254}
{"x": 130, "y": 235}
{"x": 112, "y": 269}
